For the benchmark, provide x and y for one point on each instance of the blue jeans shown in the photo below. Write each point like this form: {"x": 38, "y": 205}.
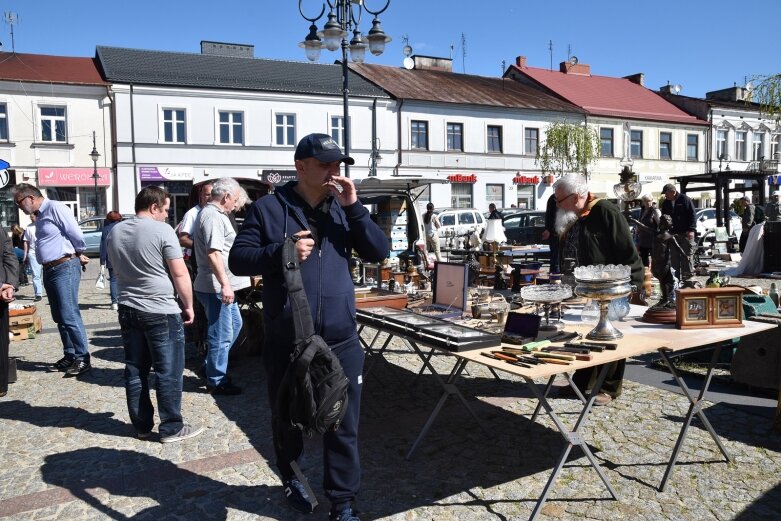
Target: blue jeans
{"x": 35, "y": 268}
{"x": 153, "y": 340}
{"x": 224, "y": 327}
{"x": 112, "y": 286}
{"x": 62, "y": 286}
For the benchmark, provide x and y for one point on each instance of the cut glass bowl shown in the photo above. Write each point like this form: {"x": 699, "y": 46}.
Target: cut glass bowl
{"x": 546, "y": 293}
{"x": 601, "y": 272}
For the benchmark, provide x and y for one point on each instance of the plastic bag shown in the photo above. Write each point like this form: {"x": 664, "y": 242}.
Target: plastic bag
{"x": 100, "y": 283}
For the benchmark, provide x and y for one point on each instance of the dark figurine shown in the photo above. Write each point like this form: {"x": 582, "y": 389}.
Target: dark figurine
{"x": 660, "y": 262}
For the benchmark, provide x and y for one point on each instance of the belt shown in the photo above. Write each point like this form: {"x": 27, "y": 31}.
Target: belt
{"x": 59, "y": 261}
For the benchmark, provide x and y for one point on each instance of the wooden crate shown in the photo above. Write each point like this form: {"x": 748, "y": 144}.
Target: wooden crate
{"x": 23, "y": 319}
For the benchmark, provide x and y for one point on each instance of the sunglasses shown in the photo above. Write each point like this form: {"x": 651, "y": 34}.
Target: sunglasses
{"x": 559, "y": 201}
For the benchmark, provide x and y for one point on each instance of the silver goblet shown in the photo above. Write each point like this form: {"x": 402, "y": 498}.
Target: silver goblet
{"x": 603, "y": 284}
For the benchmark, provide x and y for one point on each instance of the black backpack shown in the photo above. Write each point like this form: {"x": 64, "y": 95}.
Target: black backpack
{"x": 759, "y": 214}
{"x": 313, "y": 393}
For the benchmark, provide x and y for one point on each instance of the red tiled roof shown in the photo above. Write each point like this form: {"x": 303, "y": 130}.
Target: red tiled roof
{"x": 41, "y": 68}
{"x": 610, "y": 97}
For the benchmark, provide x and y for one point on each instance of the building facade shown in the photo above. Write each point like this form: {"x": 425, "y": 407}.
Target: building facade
{"x": 50, "y": 109}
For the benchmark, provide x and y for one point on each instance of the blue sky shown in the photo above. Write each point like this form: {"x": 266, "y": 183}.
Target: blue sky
{"x": 702, "y": 45}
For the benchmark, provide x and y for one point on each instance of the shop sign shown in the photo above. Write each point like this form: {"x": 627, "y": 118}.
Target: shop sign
{"x": 278, "y": 177}
{"x": 73, "y": 177}
{"x": 4, "y": 175}
{"x": 167, "y": 173}
{"x": 651, "y": 178}
{"x": 526, "y": 180}
{"x": 774, "y": 180}
{"x": 461, "y": 178}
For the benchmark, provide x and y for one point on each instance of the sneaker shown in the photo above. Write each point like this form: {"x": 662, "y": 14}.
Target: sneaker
{"x": 37, "y": 298}
{"x": 187, "y": 431}
{"x": 115, "y": 306}
{"x": 346, "y": 514}
{"x": 225, "y": 389}
{"x": 78, "y": 367}
{"x": 63, "y": 364}
{"x": 297, "y": 496}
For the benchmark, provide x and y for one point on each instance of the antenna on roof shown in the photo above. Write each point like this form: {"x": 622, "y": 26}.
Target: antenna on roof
{"x": 569, "y": 51}
{"x": 11, "y": 19}
{"x": 550, "y": 49}
{"x": 463, "y": 52}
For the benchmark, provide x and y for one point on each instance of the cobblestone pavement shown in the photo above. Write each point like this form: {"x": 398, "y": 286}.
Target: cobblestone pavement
{"x": 67, "y": 450}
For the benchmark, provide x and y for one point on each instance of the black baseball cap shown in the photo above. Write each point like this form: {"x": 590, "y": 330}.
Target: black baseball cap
{"x": 668, "y": 188}
{"x": 323, "y": 148}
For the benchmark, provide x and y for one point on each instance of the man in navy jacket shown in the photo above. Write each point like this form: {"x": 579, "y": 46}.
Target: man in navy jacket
{"x": 323, "y": 210}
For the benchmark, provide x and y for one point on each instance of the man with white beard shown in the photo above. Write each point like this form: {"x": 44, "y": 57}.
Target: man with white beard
{"x": 593, "y": 231}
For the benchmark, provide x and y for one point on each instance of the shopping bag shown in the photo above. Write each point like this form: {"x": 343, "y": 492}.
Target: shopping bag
{"x": 100, "y": 283}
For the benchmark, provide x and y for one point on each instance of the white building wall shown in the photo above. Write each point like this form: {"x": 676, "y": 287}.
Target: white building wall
{"x": 87, "y": 110}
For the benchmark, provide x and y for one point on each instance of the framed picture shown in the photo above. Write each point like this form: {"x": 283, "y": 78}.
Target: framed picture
{"x": 709, "y": 307}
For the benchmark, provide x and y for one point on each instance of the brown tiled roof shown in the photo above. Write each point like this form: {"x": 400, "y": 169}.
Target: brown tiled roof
{"x": 610, "y": 97}
{"x": 451, "y": 87}
{"x": 41, "y": 68}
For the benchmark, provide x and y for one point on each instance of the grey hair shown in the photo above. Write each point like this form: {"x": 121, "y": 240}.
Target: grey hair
{"x": 242, "y": 199}
{"x": 572, "y": 184}
{"x": 225, "y": 185}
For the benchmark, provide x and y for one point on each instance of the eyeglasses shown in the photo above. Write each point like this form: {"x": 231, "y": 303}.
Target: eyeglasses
{"x": 19, "y": 201}
{"x": 559, "y": 201}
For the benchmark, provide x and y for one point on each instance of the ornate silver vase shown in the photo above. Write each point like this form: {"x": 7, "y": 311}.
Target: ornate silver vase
{"x": 603, "y": 284}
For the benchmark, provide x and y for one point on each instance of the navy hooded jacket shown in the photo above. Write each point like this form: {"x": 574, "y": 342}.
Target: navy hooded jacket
{"x": 326, "y": 273}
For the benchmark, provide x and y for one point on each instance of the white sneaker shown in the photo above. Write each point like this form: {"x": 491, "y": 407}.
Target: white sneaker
{"x": 115, "y": 307}
{"x": 187, "y": 431}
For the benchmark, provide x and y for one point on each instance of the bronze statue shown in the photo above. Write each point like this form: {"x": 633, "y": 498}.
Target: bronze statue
{"x": 660, "y": 261}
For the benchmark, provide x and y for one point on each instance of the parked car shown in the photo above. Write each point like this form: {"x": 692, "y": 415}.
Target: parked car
{"x": 706, "y": 221}
{"x": 92, "y": 229}
{"x": 506, "y": 212}
{"x": 524, "y": 227}
{"x": 459, "y": 221}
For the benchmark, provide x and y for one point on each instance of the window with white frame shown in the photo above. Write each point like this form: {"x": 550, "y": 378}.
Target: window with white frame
{"x": 174, "y": 126}
{"x": 775, "y": 146}
{"x": 419, "y": 134}
{"x": 53, "y": 124}
{"x": 455, "y": 136}
{"x": 3, "y": 122}
{"x": 665, "y": 145}
{"x": 636, "y": 144}
{"x": 231, "y": 127}
{"x": 494, "y": 138}
{"x": 692, "y": 147}
{"x": 461, "y": 195}
{"x": 531, "y": 141}
{"x": 285, "y": 126}
{"x": 721, "y": 144}
{"x": 740, "y": 145}
{"x": 337, "y": 130}
{"x": 494, "y": 193}
{"x": 606, "y": 142}
{"x": 756, "y": 148}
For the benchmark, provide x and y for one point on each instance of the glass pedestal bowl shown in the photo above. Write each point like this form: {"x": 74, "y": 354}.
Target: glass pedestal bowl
{"x": 547, "y": 296}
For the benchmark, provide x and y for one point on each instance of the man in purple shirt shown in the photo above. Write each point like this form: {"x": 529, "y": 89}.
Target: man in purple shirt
{"x": 59, "y": 247}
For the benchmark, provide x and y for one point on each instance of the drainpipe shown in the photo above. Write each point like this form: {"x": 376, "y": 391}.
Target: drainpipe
{"x": 398, "y": 138}
{"x": 375, "y": 152}
{"x": 113, "y": 132}
{"x": 133, "y": 140}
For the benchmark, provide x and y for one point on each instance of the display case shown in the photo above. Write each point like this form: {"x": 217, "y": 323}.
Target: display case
{"x": 709, "y": 307}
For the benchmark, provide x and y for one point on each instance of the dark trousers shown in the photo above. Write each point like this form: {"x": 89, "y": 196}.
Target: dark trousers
{"x": 743, "y": 239}
{"x": 553, "y": 242}
{"x": 614, "y": 381}
{"x": 645, "y": 255}
{"x": 342, "y": 467}
{"x": 3, "y": 347}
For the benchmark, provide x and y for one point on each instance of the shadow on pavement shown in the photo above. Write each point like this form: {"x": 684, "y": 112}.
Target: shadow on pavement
{"x": 766, "y": 508}
{"x": 62, "y": 417}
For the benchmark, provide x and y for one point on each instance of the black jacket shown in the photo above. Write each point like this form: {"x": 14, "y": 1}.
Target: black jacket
{"x": 682, "y": 211}
{"x": 10, "y": 274}
{"x": 326, "y": 274}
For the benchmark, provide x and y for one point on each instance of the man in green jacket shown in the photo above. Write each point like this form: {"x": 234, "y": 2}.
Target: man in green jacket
{"x": 593, "y": 231}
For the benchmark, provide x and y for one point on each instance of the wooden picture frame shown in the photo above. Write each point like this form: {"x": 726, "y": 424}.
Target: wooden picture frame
{"x": 709, "y": 307}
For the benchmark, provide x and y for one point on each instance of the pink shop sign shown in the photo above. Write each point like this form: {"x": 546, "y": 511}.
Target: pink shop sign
{"x": 73, "y": 177}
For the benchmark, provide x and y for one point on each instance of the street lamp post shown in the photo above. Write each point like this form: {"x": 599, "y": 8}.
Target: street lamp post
{"x": 94, "y": 155}
{"x": 344, "y": 17}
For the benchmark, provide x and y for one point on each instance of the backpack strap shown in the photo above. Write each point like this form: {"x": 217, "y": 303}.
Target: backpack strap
{"x": 291, "y": 270}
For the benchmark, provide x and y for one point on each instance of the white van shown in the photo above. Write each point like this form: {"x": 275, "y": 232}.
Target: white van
{"x": 394, "y": 206}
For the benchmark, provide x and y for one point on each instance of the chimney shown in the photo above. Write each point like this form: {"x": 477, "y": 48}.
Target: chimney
{"x": 236, "y": 50}
{"x": 573, "y": 67}
{"x": 731, "y": 94}
{"x": 431, "y": 63}
{"x": 638, "y": 78}
{"x": 520, "y": 62}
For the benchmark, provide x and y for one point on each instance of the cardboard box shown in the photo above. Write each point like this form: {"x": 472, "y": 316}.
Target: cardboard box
{"x": 23, "y": 319}
{"x": 26, "y": 330}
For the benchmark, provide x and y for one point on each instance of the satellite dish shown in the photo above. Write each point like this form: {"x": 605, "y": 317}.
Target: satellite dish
{"x": 573, "y": 60}
{"x": 409, "y": 63}
{"x": 677, "y": 88}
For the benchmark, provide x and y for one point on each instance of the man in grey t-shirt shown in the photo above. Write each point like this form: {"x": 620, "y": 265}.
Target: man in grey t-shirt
{"x": 148, "y": 264}
{"x": 215, "y": 285}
